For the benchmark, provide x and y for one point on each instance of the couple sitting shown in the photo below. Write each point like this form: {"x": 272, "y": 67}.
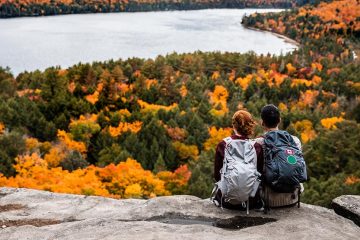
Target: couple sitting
{"x": 258, "y": 173}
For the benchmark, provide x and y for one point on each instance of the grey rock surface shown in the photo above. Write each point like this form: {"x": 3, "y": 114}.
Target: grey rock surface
{"x": 348, "y": 206}
{"x": 174, "y": 217}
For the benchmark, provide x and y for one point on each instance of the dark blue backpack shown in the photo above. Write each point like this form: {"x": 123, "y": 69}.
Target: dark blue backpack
{"x": 285, "y": 166}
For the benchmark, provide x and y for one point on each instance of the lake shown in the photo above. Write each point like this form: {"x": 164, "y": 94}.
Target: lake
{"x": 40, "y": 42}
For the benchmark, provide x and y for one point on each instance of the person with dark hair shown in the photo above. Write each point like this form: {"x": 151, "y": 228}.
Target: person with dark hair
{"x": 270, "y": 120}
{"x": 270, "y": 116}
{"x": 280, "y": 146}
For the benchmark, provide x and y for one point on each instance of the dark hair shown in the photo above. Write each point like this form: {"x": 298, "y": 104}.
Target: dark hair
{"x": 243, "y": 122}
{"x": 270, "y": 116}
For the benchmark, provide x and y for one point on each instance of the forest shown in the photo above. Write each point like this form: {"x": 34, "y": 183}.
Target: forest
{"x": 142, "y": 128}
{"x": 26, "y": 8}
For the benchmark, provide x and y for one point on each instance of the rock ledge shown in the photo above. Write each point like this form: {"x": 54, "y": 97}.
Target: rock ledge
{"x": 348, "y": 206}
{"x": 45, "y": 215}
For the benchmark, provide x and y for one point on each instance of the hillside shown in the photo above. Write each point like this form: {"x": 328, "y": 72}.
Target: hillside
{"x": 148, "y": 127}
{"x": 43, "y": 215}
{"x": 26, "y": 8}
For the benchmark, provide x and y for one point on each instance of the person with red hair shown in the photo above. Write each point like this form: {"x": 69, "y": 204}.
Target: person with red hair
{"x": 243, "y": 126}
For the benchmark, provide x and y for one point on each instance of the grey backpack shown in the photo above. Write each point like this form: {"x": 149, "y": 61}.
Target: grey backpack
{"x": 239, "y": 176}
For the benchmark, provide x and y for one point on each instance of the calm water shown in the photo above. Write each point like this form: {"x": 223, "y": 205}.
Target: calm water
{"x": 37, "y": 43}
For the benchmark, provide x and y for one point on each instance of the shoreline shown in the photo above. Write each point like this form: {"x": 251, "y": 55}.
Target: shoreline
{"x": 138, "y": 8}
{"x": 287, "y": 39}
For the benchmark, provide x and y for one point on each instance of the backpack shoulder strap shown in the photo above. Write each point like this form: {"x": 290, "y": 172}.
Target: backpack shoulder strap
{"x": 227, "y": 140}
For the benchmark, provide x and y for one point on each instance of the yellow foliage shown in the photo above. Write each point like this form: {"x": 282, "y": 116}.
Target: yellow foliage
{"x": 66, "y": 138}
{"x": 150, "y": 82}
{"x": 183, "y": 91}
{"x": 218, "y": 99}
{"x": 339, "y": 13}
{"x": 220, "y": 94}
{"x": 124, "y": 127}
{"x": 31, "y": 144}
{"x": 305, "y": 127}
{"x": 317, "y": 66}
{"x": 290, "y": 68}
{"x": 133, "y": 191}
{"x": 296, "y": 82}
{"x": 215, "y": 75}
{"x": 271, "y": 77}
{"x": 84, "y": 127}
{"x": 216, "y": 135}
{"x": 89, "y": 118}
{"x": 186, "y": 151}
{"x": 124, "y": 112}
{"x": 282, "y": 107}
{"x": 330, "y": 123}
{"x": 316, "y": 80}
{"x": 127, "y": 179}
{"x": 244, "y": 82}
{"x": 147, "y": 107}
{"x": 54, "y": 157}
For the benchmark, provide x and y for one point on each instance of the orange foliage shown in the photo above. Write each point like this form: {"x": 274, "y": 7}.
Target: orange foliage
{"x": 62, "y": 72}
{"x": 137, "y": 73}
{"x": 245, "y": 81}
{"x": 216, "y": 135}
{"x": 71, "y": 87}
{"x": 124, "y": 127}
{"x": 66, "y": 139}
{"x": 282, "y": 107}
{"x": 317, "y": 66}
{"x": 270, "y": 77}
{"x": 218, "y": 99}
{"x": 177, "y": 134}
{"x": 127, "y": 179}
{"x": 54, "y": 157}
{"x": 316, "y": 80}
{"x": 308, "y": 97}
{"x": 330, "y": 123}
{"x": 2, "y": 128}
{"x": 176, "y": 180}
{"x": 32, "y": 144}
{"x": 232, "y": 75}
{"x": 290, "y": 68}
{"x": 340, "y": 13}
{"x": 92, "y": 98}
{"x": 124, "y": 112}
{"x": 305, "y": 127}
{"x": 296, "y": 82}
{"x": 150, "y": 82}
{"x": 352, "y": 180}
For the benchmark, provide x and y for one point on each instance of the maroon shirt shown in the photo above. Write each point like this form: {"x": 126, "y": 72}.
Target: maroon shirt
{"x": 219, "y": 157}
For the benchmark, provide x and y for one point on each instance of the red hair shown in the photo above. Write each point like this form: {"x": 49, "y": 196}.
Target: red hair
{"x": 243, "y": 123}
